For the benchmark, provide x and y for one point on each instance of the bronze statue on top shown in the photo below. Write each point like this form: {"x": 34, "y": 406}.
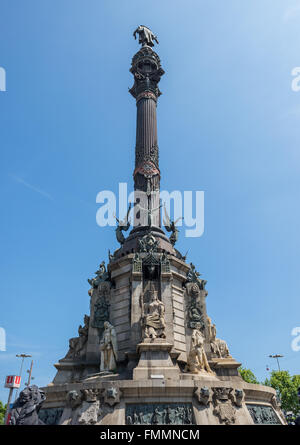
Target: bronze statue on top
{"x": 146, "y": 36}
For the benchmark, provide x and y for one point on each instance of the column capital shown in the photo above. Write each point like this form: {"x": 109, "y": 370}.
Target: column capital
{"x": 147, "y": 72}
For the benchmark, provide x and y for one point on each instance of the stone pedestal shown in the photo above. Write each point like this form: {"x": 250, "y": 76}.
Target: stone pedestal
{"x": 155, "y": 361}
{"x": 246, "y": 403}
{"x": 225, "y": 367}
{"x": 202, "y": 375}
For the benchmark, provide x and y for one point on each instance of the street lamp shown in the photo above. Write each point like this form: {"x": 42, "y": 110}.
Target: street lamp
{"x": 277, "y": 356}
{"x": 15, "y": 382}
{"x": 30, "y": 377}
{"x": 23, "y": 356}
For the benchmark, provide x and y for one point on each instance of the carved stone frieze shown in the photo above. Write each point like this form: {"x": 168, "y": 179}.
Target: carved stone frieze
{"x": 50, "y": 416}
{"x": 159, "y": 414}
{"x": 263, "y": 414}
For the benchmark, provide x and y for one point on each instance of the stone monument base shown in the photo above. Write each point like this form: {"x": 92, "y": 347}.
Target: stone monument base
{"x": 189, "y": 399}
{"x": 104, "y": 375}
{"x": 155, "y": 361}
{"x": 202, "y": 375}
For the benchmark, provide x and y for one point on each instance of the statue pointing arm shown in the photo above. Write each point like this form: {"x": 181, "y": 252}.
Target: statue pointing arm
{"x": 146, "y": 36}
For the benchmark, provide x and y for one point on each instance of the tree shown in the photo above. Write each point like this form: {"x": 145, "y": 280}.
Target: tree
{"x": 2, "y": 412}
{"x": 247, "y": 375}
{"x": 287, "y": 387}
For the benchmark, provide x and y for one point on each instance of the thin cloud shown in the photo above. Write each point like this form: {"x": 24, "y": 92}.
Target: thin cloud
{"x": 32, "y": 187}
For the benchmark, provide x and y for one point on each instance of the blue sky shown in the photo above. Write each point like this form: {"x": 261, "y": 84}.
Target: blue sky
{"x": 228, "y": 124}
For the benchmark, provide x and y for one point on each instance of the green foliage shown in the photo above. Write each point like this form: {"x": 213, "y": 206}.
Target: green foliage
{"x": 247, "y": 375}
{"x": 287, "y": 387}
{"x": 2, "y": 412}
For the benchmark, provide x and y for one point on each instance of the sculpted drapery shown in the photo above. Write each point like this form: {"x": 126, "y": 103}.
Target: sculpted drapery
{"x": 108, "y": 348}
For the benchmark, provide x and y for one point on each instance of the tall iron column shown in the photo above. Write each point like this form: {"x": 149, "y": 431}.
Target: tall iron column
{"x": 147, "y": 72}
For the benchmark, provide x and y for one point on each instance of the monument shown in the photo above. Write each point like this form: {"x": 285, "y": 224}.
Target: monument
{"x": 148, "y": 353}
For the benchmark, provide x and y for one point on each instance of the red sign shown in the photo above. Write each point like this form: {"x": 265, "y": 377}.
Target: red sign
{"x": 12, "y": 381}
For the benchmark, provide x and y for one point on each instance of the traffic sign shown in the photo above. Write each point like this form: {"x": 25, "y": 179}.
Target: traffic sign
{"x": 12, "y": 381}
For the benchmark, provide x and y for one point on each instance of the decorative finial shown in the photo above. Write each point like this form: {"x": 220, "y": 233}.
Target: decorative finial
{"x": 146, "y": 36}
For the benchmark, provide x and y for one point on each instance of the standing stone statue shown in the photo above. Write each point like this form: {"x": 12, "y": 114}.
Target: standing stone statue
{"x": 153, "y": 316}
{"x": 108, "y": 348}
{"x": 26, "y": 407}
{"x": 197, "y": 360}
{"x": 146, "y": 36}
